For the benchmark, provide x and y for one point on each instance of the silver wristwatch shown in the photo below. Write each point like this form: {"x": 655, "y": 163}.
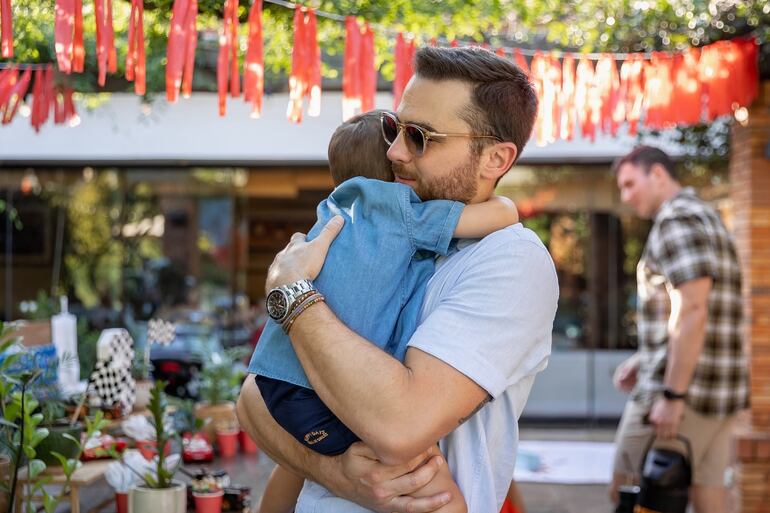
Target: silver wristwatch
{"x": 281, "y": 300}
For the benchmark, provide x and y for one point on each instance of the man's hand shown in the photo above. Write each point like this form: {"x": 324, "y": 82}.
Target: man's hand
{"x": 624, "y": 378}
{"x": 385, "y": 488}
{"x": 301, "y": 259}
{"x": 666, "y": 416}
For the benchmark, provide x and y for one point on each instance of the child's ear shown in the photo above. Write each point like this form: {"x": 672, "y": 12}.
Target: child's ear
{"x": 498, "y": 159}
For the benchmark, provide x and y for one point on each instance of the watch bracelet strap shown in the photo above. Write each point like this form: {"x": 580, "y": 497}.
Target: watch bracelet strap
{"x": 310, "y": 300}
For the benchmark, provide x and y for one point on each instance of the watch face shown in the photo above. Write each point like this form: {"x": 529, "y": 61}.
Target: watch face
{"x": 276, "y": 305}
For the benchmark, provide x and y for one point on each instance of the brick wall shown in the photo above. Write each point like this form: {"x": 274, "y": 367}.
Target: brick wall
{"x": 750, "y": 192}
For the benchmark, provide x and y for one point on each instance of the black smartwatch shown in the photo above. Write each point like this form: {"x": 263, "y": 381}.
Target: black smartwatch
{"x": 670, "y": 395}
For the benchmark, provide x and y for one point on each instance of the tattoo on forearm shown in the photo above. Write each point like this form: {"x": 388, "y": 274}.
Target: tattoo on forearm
{"x": 476, "y": 409}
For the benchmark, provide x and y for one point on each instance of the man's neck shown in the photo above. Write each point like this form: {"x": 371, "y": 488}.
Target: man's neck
{"x": 669, "y": 193}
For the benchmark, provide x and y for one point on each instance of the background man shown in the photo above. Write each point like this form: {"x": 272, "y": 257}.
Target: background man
{"x": 690, "y": 373}
{"x": 485, "y": 325}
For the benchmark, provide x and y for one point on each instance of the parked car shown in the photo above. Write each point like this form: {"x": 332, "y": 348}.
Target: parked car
{"x": 179, "y": 363}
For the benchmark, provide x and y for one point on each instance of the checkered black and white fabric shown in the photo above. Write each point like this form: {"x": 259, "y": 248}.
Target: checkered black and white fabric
{"x": 121, "y": 349}
{"x": 112, "y": 384}
{"x": 160, "y": 331}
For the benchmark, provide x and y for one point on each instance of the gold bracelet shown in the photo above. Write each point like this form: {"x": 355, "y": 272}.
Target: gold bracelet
{"x": 309, "y": 301}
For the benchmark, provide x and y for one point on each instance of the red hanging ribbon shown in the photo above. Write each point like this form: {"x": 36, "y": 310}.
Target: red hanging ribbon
{"x": 305, "y": 78}
{"x": 658, "y": 92}
{"x": 106, "y": 55}
{"x": 351, "y": 75}
{"x": 78, "y": 49}
{"x": 567, "y": 98}
{"x": 136, "y": 61}
{"x": 368, "y": 71}
{"x": 546, "y": 77}
{"x": 8, "y": 78}
{"x": 607, "y": 82}
{"x": 177, "y": 47}
{"x": 37, "y": 99}
{"x": 70, "y": 114}
{"x": 254, "y": 65}
{"x": 520, "y": 61}
{"x": 584, "y": 85}
{"x": 404, "y": 67}
{"x": 6, "y": 29}
{"x": 190, "y": 45}
{"x": 64, "y": 30}
{"x": 227, "y": 62}
{"x": 632, "y": 90}
{"x": 748, "y": 68}
{"x": 687, "y": 93}
{"x": 16, "y": 96}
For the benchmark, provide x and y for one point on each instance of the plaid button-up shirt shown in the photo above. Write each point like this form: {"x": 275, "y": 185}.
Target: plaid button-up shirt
{"x": 688, "y": 241}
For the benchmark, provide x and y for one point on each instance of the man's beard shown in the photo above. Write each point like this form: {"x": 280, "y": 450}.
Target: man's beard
{"x": 460, "y": 184}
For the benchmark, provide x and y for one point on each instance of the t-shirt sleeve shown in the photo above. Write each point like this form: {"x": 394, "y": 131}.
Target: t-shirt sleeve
{"x": 684, "y": 250}
{"x": 431, "y": 224}
{"x": 494, "y": 324}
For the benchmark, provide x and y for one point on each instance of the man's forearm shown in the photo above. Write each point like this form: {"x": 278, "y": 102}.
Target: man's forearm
{"x": 361, "y": 384}
{"x": 685, "y": 346}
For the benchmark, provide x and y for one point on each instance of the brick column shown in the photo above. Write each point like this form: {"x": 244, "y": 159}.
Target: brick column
{"x": 750, "y": 194}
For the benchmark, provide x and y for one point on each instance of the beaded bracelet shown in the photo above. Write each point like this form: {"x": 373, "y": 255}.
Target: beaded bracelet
{"x": 309, "y": 301}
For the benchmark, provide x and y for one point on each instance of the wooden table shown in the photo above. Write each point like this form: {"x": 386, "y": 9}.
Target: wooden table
{"x": 89, "y": 473}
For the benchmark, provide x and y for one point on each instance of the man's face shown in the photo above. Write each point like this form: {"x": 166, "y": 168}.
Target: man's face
{"x": 638, "y": 190}
{"x": 447, "y": 169}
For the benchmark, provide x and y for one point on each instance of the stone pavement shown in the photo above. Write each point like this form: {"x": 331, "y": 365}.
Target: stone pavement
{"x": 254, "y": 470}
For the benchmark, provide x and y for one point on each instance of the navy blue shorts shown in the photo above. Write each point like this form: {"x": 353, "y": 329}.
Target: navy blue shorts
{"x": 301, "y": 412}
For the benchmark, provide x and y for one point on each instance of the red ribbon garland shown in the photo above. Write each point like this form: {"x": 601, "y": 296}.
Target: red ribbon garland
{"x": 404, "y": 67}
{"x": 254, "y": 66}
{"x": 136, "y": 61}
{"x": 359, "y": 78}
{"x": 15, "y": 95}
{"x": 567, "y": 99}
{"x": 305, "y": 78}
{"x": 190, "y": 45}
{"x": 6, "y": 30}
{"x": 367, "y": 69}
{"x": 64, "y": 32}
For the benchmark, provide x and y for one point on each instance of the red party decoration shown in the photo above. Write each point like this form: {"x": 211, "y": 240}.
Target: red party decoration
{"x": 305, "y": 78}
{"x": 254, "y": 66}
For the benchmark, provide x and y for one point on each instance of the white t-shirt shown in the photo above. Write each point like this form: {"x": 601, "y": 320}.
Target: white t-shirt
{"x": 488, "y": 312}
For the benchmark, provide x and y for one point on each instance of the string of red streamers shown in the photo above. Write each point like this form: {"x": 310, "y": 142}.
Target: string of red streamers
{"x": 359, "y": 76}
{"x": 254, "y": 66}
{"x": 227, "y": 61}
{"x": 6, "y": 30}
{"x": 685, "y": 88}
{"x": 136, "y": 61}
{"x": 305, "y": 78}
{"x": 404, "y": 57}
{"x": 180, "y": 52}
{"x": 46, "y": 96}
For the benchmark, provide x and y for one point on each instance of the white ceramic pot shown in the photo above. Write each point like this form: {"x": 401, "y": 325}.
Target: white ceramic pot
{"x": 150, "y": 500}
{"x": 143, "y": 388}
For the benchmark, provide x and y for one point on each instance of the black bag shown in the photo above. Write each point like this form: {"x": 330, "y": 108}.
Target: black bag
{"x": 666, "y": 479}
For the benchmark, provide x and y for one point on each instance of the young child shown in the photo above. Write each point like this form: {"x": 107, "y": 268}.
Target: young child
{"x": 374, "y": 279}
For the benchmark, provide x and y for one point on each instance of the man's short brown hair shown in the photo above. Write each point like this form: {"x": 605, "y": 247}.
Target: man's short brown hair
{"x": 645, "y": 157}
{"x": 503, "y": 101}
{"x": 358, "y": 149}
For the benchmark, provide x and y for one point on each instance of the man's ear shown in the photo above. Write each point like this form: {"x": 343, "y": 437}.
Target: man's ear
{"x": 498, "y": 160}
{"x": 659, "y": 173}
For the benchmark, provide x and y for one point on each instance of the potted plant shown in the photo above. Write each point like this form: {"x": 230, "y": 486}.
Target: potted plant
{"x": 220, "y": 384}
{"x": 159, "y": 492}
{"x": 195, "y": 446}
{"x": 55, "y": 421}
{"x": 207, "y": 494}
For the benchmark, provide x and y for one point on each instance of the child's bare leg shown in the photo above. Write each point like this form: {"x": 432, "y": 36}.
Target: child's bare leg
{"x": 444, "y": 482}
{"x": 281, "y": 492}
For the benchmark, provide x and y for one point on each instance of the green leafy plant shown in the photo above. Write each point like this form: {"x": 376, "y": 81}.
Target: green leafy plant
{"x": 163, "y": 436}
{"x": 185, "y": 420}
{"x": 221, "y": 381}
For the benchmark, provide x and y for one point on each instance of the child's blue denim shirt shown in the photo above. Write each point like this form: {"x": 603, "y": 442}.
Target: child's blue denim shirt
{"x": 376, "y": 270}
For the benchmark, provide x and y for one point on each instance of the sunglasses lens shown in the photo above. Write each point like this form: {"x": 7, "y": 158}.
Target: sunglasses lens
{"x": 415, "y": 140}
{"x": 389, "y": 128}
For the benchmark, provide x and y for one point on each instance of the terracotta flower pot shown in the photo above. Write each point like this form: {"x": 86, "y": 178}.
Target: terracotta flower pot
{"x": 208, "y": 502}
{"x": 121, "y": 502}
{"x": 227, "y": 441}
{"x": 248, "y": 446}
{"x": 161, "y": 500}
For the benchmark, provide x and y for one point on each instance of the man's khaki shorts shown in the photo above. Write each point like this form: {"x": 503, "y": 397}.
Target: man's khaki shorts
{"x": 709, "y": 437}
